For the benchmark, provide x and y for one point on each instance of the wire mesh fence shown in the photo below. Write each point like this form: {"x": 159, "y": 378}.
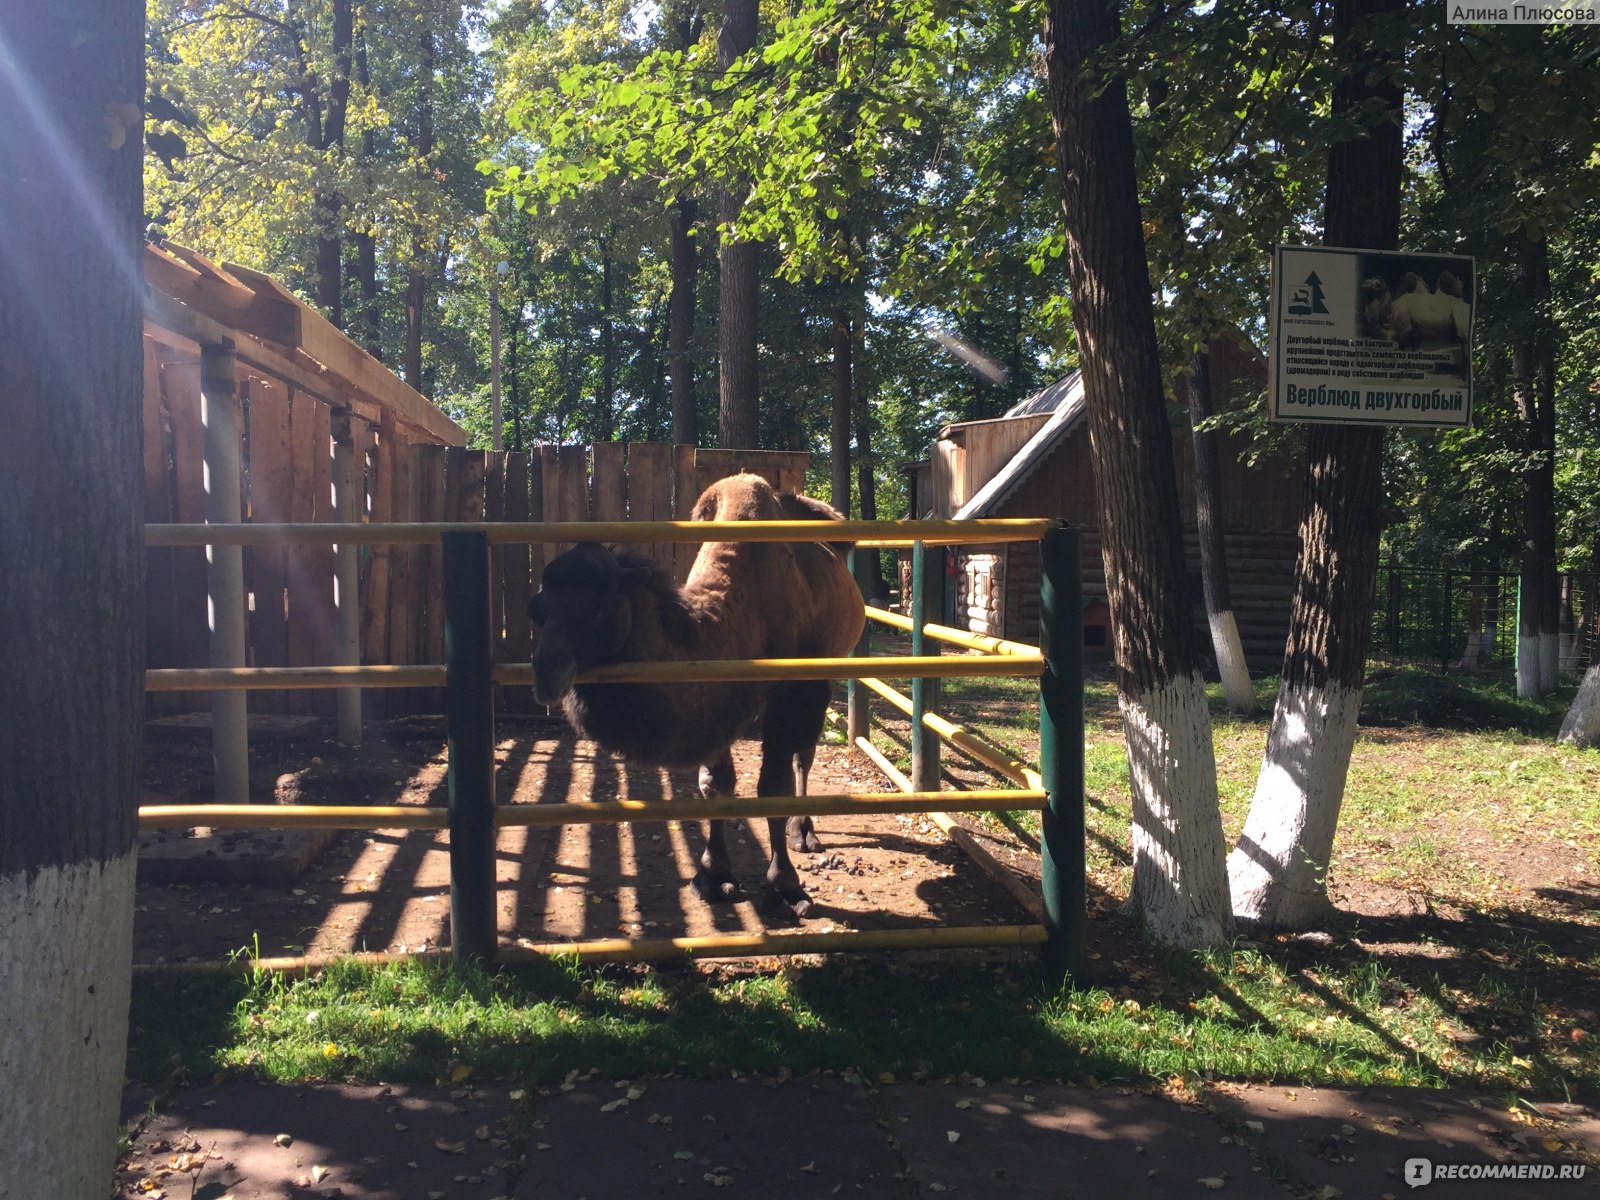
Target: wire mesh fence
{"x": 1455, "y": 619}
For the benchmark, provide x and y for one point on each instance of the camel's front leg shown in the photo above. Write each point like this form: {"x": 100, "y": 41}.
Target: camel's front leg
{"x": 801, "y": 832}
{"x": 714, "y": 880}
{"x": 784, "y": 895}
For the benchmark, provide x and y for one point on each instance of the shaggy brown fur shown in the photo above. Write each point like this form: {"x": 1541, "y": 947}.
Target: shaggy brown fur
{"x": 741, "y": 600}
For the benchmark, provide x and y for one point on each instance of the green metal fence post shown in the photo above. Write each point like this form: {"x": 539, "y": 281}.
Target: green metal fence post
{"x": 925, "y": 595}
{"x": 1063, "y": 875}
{"x": 469, "y": 716}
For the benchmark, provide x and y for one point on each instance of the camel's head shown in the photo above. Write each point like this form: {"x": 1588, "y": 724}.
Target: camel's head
{"x": 1450, "y": 285}
{"x": 583, "y": 614}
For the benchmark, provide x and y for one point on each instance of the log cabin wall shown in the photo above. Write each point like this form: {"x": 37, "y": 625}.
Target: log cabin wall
{"x": 997, "y": 587}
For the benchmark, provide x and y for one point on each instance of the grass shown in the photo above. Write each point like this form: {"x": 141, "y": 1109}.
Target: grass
{"x": 1229, "y": 1014}
{"x": 1489, "y": 982}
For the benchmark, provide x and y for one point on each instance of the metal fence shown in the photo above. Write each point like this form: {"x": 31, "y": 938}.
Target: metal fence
{"x": 1455, "y": 619}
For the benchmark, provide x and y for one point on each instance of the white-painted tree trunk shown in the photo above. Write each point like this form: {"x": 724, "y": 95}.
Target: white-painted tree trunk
{"x": 1277, "y": 872}
{"x": 1549, "y": 661}
{"x": 1231, "y": 665}
{"x": 1472, "y": 656}
{"x": 1582, "y": 725}
{"x": 66, "y": 948}
{"x": 1179, "y": 878}
{"x": 1528, "y": 666}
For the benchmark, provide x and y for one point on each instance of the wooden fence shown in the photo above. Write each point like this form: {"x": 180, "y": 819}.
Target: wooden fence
{"x": 289, "y": 440}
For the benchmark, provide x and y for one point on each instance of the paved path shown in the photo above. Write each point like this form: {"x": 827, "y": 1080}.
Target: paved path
{"x": 817, "y": 1137}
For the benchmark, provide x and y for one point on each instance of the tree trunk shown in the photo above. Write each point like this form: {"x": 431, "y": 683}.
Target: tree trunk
{"x": 1581, "y": 727}
{"x": 1225, "y": 640}
{"x": 680, "y": 318}
{"x": 1278, "y": 871}
{"x": 329, "y": 205}
{"x": 72, "y": 585}
{"x": 416, "y": 276}
{"x": 843, "y": 402}
{"x": 370, "y": 316}
{"x": 607, "y": 400}
{"x": 877, "y": 590}
{"x": 1179, "y": 883}
{"x": 1533, "y": 372}
{"x": 739, "y": 412}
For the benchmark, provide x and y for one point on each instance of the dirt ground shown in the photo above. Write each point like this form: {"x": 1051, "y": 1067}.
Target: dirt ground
{"x": 206, "y": 894}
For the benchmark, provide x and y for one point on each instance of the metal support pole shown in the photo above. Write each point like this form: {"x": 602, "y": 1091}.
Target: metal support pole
{"x": 926, "y": 591}
{"x": 219, "y": 413}
{"x": 1063, "y": 864}
{"x": 347, "y": 497}
{"x": 469, "y": 715}
{"x": 858, "y": 716}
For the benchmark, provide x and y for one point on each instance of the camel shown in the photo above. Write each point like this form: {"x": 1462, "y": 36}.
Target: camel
{"x": 741, "y": 600}
{"x": 1422, "y": 317}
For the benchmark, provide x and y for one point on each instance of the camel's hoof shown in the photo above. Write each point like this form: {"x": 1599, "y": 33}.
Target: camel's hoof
{"x": 715, "y": 887}
{"x": 805, "y": 843}
{"x": 790, "y": 903}
{"x": 801, "y": 835}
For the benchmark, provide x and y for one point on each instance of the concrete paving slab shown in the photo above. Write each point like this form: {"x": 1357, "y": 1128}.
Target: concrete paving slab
{"x": 335, "y": 1142}
{"x": 1367, "y": 1143}
{"x": 1063, "y": 1142}
{"x": 802, "y": 1139}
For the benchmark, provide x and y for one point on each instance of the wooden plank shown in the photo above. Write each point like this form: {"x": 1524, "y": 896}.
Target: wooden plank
{"x": 465, "y": 475}
{"x": 180, "y": 387}
{"x": 160, "y": 593}
{"x": 190, "y": 277}
{"x": 322, "y": 341}
{"x": 609, "y": 483}
{"x": 550, "y": 494}
{"x": 494, "y": 499}
{"x": 650, "y": 494}
{"x": 428, "y": 579}
{"x": 271, "y": 486}
{"x": 301, "y": 562}
{"x": 374, "y": 594}
{"x": 513, "y": 561}
{"x": 399, "y": 650}
{"x": 684, "y": 494}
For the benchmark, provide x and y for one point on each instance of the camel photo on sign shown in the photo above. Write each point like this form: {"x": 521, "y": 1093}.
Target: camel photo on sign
{"x": 1371, "y": 337}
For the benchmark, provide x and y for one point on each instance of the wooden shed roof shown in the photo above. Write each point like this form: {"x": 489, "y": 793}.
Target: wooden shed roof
{"x": 1063, "y": 400}
{"x": 277, "y": 333}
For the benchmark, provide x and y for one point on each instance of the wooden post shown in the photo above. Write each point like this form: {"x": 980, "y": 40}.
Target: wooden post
{"x": 219, "y": 414}
{"x": 1063, "y": 864}
{"x": 858, "y": 716}
{"x": 926, "y": 592}
{"x": 348, "y": 493}
{"x": 469, "y": 716}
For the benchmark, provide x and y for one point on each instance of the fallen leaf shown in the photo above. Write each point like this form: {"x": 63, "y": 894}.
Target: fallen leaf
{"x": 1210, "y": 1181}
{"x": 1552, "y": 1144}
{"x": 810, "y": 1168}
{"x": 283, "y": 1139}
{"x": 1255, "y": 1126}
{"x": 481, "y": 1133}
{"x": 1327, "y": 1192}
{"x": 952, "y": 1135}
{"x": 318, "y": 1174}
{"x": 460, "y": 1072}
{"x": 449, "y": 1147}
{"x": 613, "y": 1105}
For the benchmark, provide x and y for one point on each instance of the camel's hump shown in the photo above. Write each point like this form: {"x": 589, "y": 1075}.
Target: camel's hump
{"x": 737, "y": 498}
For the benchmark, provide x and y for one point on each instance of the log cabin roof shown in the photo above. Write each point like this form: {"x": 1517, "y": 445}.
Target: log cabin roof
{"x": 1063, "y": 400}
